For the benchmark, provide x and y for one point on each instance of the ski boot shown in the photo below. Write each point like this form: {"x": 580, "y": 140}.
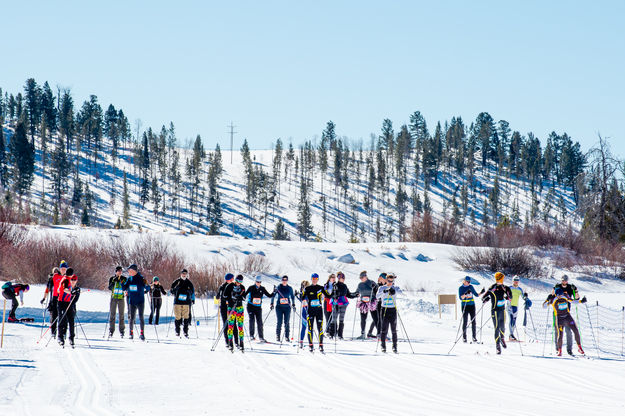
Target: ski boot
{"x": 262, "y": 340}
{"x": 498, "y": 349}
{"x": 142, "y": 337}
{"x": 311, "y": 347}
{"x": 71, "y": 342}
{"x": 503, "y": 343}
{"x": 110, "y": 335}
{"x": 12, "y": 319}
{"x": 581, "y": 351}
{"x": 559, "y": 353}
{"x": 512, "y": 338}
{"x": 131, "y": 336}
{"x": 178, "y": 334}
{"x": 231, "y": 347}
{"x": 370, "y": 335}
{"x": 121, "y": 334}
{"x": 61, "y": 342}
{"x": 464, "y": 339}
{"x": 362, "y": 336}
{"x": 383, "y": 349}
{"x": 474, "y": 339}
{"x": 395, "y": 350}
{"x": 569, "y": 351}
{"x": 321, "y": 347}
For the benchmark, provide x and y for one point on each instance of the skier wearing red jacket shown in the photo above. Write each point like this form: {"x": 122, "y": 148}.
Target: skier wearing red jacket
{"x": 68, "y": 295}
{"x": 11, "y": 291}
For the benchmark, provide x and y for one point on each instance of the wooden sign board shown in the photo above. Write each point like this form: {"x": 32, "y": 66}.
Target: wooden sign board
{"x": 447, "y": 300}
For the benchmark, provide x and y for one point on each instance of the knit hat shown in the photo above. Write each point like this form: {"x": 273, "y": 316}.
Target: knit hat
{"x": 285, "y": 278}
{"x": 363, "y": 273}
{"x": 565, "y": 278}
{"x": 69, "y": 271}
{"x": 467, "y": 278}
{"x": 239, "y": 278}
{"x": 74, "y": 277}
{"x": 259, "y": 279}
{"x": 516, "y": 279}
{"x": 155, "y": 279}
{"x": 133, "y": 267}
{"x": 183, "y": 271}
{"x": 26, "y": 287}
{"x": 63, "y": 264}
{"x": 383, "y": 275}
{"x": 119, "y": 269}
{"x": 229, "y": 276}
{"x": 499, "y": 277}
{"x": 314, "y": 276}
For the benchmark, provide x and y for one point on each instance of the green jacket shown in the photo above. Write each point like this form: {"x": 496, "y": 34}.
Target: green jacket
{"x": 115, "y": 286}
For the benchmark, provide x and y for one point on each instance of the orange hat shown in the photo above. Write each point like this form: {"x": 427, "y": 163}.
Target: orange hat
{"x": 499, "y": 277}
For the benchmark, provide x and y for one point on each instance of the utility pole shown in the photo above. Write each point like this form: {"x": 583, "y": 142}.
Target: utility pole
{"x": 232, "y": 132}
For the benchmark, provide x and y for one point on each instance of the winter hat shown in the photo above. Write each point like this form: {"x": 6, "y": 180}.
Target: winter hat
{"x": 26, "y": 287}
{"x": 499, "y": 277}
{"x": 133, "y": 267}
{"x": 74, "y": 277}
{"x": 183, "y": 271}
{"x": 229, "y": 276}
{"x": 285, "y": 278}
{"x": 63, "y": 264}
{"x": 69, "y": 272}
{"x": 259, "y": 279}
{"x": 119, "y": 269}
{"x": 55, "y": 270}
{"x": 314, "y": 276}
{"x": 239, "y": 278}
{"x": 565, "y": 278}
{"x": 339, "y": 274}
{"x": 467, "y": 278}
{"x": 559, "y": 292}
{"x": 363, "y": 273}
{"x": 383, "y": 275}
{"x": 155, "y": 279}
{"x": 516, "y": 279}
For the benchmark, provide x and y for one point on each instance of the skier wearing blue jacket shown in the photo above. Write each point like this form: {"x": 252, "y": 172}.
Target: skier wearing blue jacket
{"x": 466, "y": 293}
{"x": 135, "y": 288}
{"x": 285, "y": 300}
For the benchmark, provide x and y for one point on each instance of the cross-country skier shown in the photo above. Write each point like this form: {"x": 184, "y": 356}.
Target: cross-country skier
{"x": 223, "y": 306}
{"x": 340, "y": 303}
{"x": 116, "y": 286}
{"x": 387, "y": 297}
{"x": 561, "y": 302}
{"x": 377, "y": 323}
{"x": 235, "y": 296}
{"x": 285, "y": 299}
{"x": 254, "y": 295}
{"x": 498, "y": 294}
{"x": 48, "y": 291}
{"x": 184, "y": 297}
{"x": 367, "y": 303}
{"x": 517, "y": 293}
{"x": 68, "y": 296}
{"x": 53, "y": 306}
{"x": 327, "y": 303}
{"x": 11, "y": 291}
{"x": 466, "y": 293}
{"x": 135, "y": 288}
{"x": 312, "y": 300}
{"x": 156, "y": 300}
{"x": 304, "y": 314}
{"x": 571, "y": 290}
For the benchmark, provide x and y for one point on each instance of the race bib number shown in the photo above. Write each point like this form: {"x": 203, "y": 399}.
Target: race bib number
{"x": 182, "y": 297}
{"x": 501, "y": 302}
{"x": 365, "y": 298}
{"x": 132, "y": 288}
{"x": 388, "y": 303}
{"x": 562, "y": 306}
{"x": 117, "y": 291}
{"x": 284, "y": 301}
{"x": 315, "y": 303}
{"x": 256, "y": 301}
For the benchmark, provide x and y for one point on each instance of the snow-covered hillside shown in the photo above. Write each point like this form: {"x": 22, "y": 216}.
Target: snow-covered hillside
{"x": 345, "y": 217}
{"x": 170, "y": 375}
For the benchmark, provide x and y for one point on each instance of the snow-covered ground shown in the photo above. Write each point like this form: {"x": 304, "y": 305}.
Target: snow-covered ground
{"x": 172, "y": 375}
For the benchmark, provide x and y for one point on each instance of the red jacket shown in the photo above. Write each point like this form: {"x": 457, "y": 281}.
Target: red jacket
{"x": 65, "y": 289}
{"x": 56, "y": 279}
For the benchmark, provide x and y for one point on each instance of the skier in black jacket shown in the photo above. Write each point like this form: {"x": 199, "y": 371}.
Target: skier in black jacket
{"x": 571, "y": 291}
{"x": 498, "y": 294}
{"x": 254, "y": 295}
{"x": 223, "y": 305}
{"x": 184, "y": 297}
{"x": 235, "y": 296}
{"x": 339, "y": 305}
{"x": 561, "y": 302}
{"x": 156, "y": 291}
{"x": 312, "y": 300}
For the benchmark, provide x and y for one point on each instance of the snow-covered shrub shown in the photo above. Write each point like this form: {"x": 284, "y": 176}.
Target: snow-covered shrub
{"x": 515, "y": 261}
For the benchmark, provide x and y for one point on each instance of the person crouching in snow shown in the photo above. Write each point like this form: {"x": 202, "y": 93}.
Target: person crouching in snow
{"x": 561, "y": 304}
{"x": 387, "y": 297}
{"x": 11, "y": 291}
{"x": 184, "y": 297}
{"x": 498, "y": 294}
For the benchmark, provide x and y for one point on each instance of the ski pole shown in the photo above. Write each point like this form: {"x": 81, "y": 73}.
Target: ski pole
{"x": 481, "y": 324}
{"x": 545, "y": 337}
{"x": 60, "y": 319}
{"x": 170, "y": 319}
{"x": 83, "y": 330}
{"x": 43, "y": 321}
{"x": 4, "y": 312}
{"x": 404, "y": 328}
{"x": 224, "y": 332}
{"x": 197, "y": 335}
{"x": 108, "y": 318}
{"x": 470, "y": 323}
{"x": 354, "y": 323}
{"x": 153, "y": 303}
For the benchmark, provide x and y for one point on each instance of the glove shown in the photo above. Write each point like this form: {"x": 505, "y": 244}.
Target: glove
{"x": 391, "y": 291}
{"x": 525, "y": 296}
{"x": 385, "y": 290}
{"x": 295, "y": 309}
{"x": 271, "y": 307}
{"x": 42, "y": 301}
{"x": 193, "y": 302}
{"x": 483, "y": 290}
{"x": 584, "y": 300}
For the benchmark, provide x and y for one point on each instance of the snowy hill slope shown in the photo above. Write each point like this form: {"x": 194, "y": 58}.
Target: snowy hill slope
{"x": 345, "y": 217}
{"x": 167, "y": 374}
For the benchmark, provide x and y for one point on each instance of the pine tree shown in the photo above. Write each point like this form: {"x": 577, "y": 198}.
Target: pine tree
{"x": 280, "y": 231}
{"x": 77, "y": 194}
{"x": 22, "y": 157}
{"x": 156, "y": 197}
{"x": 126, "y": 204}
{"x": 33, "y": 107}
{"x": 3, "y": 160}
{"x": 304, "y": 225}
{"x": 60, "y": 170}
{"x": 427, "y": 206}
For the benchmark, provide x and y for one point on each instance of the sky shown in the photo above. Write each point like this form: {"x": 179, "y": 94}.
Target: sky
{"x": 282, "y": 69}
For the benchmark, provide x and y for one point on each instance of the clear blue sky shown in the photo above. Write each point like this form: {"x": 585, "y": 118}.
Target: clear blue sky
{"x": 283, "y": 69}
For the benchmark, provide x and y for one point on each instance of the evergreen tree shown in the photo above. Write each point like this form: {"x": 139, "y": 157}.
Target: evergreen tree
{"x": 77, "y": 194}
{"x": 304, "y": 225}
{"x": 60, "y": 170}
{"x": 280, "y": 232}
{"x": 33, "y": 107}
{"x": 4, "y": 178}
{"x": 126, "y": 204}
{"x": 22, "y": 157}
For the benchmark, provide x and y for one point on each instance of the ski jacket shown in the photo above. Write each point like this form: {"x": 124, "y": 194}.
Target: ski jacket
{"x": 183, "y": 291}
{"x": 468, "y": 292}
{"x": 116, "y": 286}
{"x": 517, "y": 293}
{"x": 75, "y": 297}
{"x": 254, "y": 295}
{"x": 235, "y": 295}
{"x": 65, "y": 289}
{"x": 10, "y": 290}
{"x": 285, "y": 296}
{"x": 56, "y": 279}
{"x": 221, "y": 294}
{"x": 569, "y": 289}
{"x": 387, "y": 299}
{"x": 329, "y": 288}
{"x": 562, "y": 306}
{"x": 498, "y": 294}
{"x": 313, "y": 296}
{"x": 367, "y": 290}
{"x": 157, "y": 290}
{"x": 136, "y": 286}
{"x": 342, "y": 293}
